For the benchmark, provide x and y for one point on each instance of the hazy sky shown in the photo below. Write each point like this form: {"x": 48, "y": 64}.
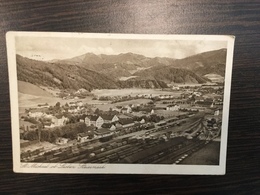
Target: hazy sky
{"x": 48, "y": 48}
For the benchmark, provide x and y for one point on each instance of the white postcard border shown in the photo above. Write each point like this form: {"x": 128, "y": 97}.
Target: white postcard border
{"x": 115, "y": 168}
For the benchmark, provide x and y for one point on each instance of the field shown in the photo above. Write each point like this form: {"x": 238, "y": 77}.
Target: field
{"x": 208, "y": 155}
{"x": 29, "y": 99}
{"x": 52, "y": 91}
{"x": 132, "y": 92}
{"x": 28, "y": 88}
{"x": 106, "y": 106}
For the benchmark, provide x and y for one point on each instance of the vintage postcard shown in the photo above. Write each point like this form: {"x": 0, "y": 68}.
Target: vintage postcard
{"x": 119, "y": 103}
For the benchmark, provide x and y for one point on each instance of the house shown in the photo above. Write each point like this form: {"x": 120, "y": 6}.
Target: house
{"x": 109, "y": 126}
{"x": 199, "y": 99}
{"x": 61, "y": 140}
{"x": 216, "y": 113}
{"x": 82, "y": 90}
{"x": 59, "y": 120}
{"x": 197, "y": 93}
{"x": 133, "y": 106}
{"x": 47, "y": 116}
{"x": 79, "y": 103}
{"x": 152, "y": 111}
{"x": 46, "y": 105}
{"x": 72, "y": 104}
{"x": 83, "y": 137}
{"x": 116, "y": 109}
{"x": 173, "y": 107}
{"x": 36, "y": 114}
{"x": 175, "y": 88}
{"x": 126, "y": 122}
{"x": 126, "y": 109}
{"x": 86, "y": 135}
{"x": 102, "y": 132}
{"x": 110, "y": 118}
{"x": 49, "y": 125}
{"x": 141, "y": 120}
{"x": 119, "y": 107}
{"x": 95, "y": 120}
{"x": 73, "y": 109}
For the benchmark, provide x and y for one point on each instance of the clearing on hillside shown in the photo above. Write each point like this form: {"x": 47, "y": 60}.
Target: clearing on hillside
{"x": 31, "y": 89}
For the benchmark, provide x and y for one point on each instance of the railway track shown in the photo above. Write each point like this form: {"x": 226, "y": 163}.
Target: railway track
{"x": 177, "y": 155}
{"x": 117, "y": 155}
{"x": 81, "y": 153}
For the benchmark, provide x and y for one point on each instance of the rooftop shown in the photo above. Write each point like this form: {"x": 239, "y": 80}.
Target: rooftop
{"x": 125, "y": 121}
{"x": 107, "y": 125}
{"x": 92, "y": 117}
{"x": 107, "y": 117}
{"x": 102, "y": 131}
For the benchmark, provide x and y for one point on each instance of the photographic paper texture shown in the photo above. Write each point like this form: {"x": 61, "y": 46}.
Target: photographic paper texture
{"x": 119, "y": 103}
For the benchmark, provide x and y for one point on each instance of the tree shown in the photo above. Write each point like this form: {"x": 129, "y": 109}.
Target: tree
{"x": 57, "y": 105}
{"x": 90, "y": 111}
{"x": 97, "y": 111}
{"x": 151, "y": 102}
{"x": 39, "y": 130}
{"x": 30, "y": 135}
{"x": 155, "y": 118}
{"x": 22, "y": 128}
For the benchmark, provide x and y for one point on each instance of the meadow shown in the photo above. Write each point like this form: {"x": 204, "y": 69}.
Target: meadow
{"x": 133, "y": 92}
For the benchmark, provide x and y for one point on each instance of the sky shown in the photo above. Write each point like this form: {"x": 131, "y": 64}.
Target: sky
{"x": 50, "y": 48}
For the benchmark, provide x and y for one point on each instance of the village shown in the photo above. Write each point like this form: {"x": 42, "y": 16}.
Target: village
{"x": 77, "y": 122}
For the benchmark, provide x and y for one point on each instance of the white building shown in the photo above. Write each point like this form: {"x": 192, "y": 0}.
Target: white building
{"x": 59, "y": 121}
{"x": 173, "y": 107}
{"x": 216, "y": 113}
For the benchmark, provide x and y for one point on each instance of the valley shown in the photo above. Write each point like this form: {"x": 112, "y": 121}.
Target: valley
{"x": 124, "y": 108}
{"x": 128, "y": 70}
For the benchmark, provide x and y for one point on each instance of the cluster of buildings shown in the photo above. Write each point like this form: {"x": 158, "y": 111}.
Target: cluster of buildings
{"x": 74, "y": 107}
{"x": 48, "y": 120}
{"x": 173, "y": 107}
{"x": 80, "y": 94}
{"x": 52, "y": 116}
{"x": 111, "y": 122}
{"x": 105, "y": 123}
{"x": 115, "y": 99}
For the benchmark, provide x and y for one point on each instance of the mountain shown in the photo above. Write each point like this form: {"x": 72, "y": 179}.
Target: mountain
{"x": 91, "y": 59}
{"x": 142, "y": 83}
{"x": 61, "y": 76}
{"x": 126, "y": 64}
{"x": 127, "y": 70}
{"x": 121, "y": 65}
{"x": 215, "y": 78}
{"x": 169, "y": 74}
{"x": 194, "y": 69}
{"x": 211, "y": 62}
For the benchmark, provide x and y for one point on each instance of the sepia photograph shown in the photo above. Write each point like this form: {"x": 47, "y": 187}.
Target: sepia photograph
{"x": 119, "y": 103}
